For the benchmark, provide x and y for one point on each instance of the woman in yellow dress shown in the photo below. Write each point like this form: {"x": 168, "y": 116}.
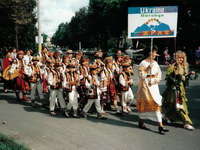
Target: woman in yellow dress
{"x": 149, "y": 100}
{"x": 174, "y": 97}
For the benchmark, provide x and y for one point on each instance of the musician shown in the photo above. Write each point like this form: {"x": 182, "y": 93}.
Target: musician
{"x": 117, "y": 66}
{"x": 43, "y": 55}
{"x": 78, "y": 56}
{"x": 94, "y": 92}
{"x": 109, "y": 73}
{"x": 119, "y": 61}
{"x": 57, "y": 56}
{"x": 55, "y": 81}
{"x": 69, "y": 54}
{"x": 35, "y": 79}
{"x": 48, "y": 69}
{"x": 174, "y": 96}
{"x": 71, "y": 81}
{"x": 50, "y": 57}
{"x": 65, "y": 63}
{"x": 20, "y": 84}
{"x": 84, "y": 70}
{"x": 98, "y": 60}
{"x": 125, "y": 82}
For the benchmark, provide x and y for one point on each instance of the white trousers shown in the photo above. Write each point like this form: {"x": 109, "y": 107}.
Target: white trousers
{"x": 89, "y": 104}
{"x": 127, "y": 97}
{"x": 36, "y": 86}
{"x": 56, "y": 93}
{"x": 73, "y": 100}
{"x": 154, "y": 116}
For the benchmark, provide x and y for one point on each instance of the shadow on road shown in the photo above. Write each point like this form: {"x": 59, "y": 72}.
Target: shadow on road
{"x": 112, "y": 121}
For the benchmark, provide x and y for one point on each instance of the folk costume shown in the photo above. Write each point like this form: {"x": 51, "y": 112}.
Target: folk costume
{"x": 71, "y": 82}
{"x": 93, "y": 93}
{"x": 98, "y": 60}
{"x": 14, "y": 55}
{"x": 125, "y": 82}
{"x": 174, "y": 102}
{"x": 35, "y": 79}
{"x": 109, "y": 71}
{"x": 27, "y": 59}
{"x": 148, "y": 97}
{"x": 84, "y": 70}
{"x": 7, "y": 62}
{"x": 55, "y": 81}
{"x": 43, "y": 61}
{"x": 20, "y": 84}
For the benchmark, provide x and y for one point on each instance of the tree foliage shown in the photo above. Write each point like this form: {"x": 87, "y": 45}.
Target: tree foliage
{"x": 45, "y": 36}
{"x": 103, "y": 22}
{"x": 97, "y": 25}
{"x": 17, "y": 25}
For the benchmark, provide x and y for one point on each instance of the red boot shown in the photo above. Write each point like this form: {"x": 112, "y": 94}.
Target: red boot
{"x": 17, "y": 97}
{"x": 25, "y": 98}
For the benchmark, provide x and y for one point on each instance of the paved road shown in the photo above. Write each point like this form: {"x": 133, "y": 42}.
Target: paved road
{"x": 38, "y": 130}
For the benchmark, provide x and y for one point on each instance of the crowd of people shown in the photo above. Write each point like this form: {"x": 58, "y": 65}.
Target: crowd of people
{"x": 73, "y": 84}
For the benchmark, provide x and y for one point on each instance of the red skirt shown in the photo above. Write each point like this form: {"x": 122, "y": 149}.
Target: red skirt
{"x": 112, "y": 91}
{"x": 21, "y": 84}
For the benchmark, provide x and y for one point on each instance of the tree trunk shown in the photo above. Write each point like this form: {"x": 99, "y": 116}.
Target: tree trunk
{"x": 99, "y": 41}
{"x": 16, "y": 38}
{"x": 118, "y": 40}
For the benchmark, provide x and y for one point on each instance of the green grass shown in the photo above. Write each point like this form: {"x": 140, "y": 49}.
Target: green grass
{"x": 7, "y": 143}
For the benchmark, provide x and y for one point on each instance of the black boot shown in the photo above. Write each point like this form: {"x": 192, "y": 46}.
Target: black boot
{"x": 161, "y": 129}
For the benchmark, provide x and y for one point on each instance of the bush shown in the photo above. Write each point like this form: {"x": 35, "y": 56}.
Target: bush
{"x": 9, "y": 144}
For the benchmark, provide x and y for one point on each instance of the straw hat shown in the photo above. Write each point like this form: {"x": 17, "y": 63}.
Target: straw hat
{"x": 93, "y": 66}
{"x": 20, "y": 52}
{"x": 126, "y": 64}
{"x": 71, "y": 65}
{"x": 35, "y": 58}
{"x": 69, "y": 52}
{"x": 84, "y": 60}
{"x": 98, "y": 55}
{"x": 109, "y": 59}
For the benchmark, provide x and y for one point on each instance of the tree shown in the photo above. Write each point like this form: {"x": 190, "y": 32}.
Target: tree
{"x": 45, "y": 36}
{"x": 103, "y": 22}
{"x": 79, "y": 29}
{"x": 58, "y": 37}
{"x": 18, "y": 19}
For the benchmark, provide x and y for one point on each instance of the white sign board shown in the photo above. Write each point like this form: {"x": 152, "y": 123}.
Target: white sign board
{"x": 152, "y": 22}
{"x": 41, "y": 39}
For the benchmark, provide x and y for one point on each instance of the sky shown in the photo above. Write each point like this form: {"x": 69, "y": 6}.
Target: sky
{"x": 55, "y": 12}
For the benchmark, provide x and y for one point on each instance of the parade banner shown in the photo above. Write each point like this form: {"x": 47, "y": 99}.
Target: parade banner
{"x": 152, "y": 22}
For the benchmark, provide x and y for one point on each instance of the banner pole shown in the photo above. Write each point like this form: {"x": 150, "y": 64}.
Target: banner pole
{"x": 151, "y": 57}
{"x": 174, "y": 55}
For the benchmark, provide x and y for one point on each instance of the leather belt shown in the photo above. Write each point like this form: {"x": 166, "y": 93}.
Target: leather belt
{"x": 150, "y": 76}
